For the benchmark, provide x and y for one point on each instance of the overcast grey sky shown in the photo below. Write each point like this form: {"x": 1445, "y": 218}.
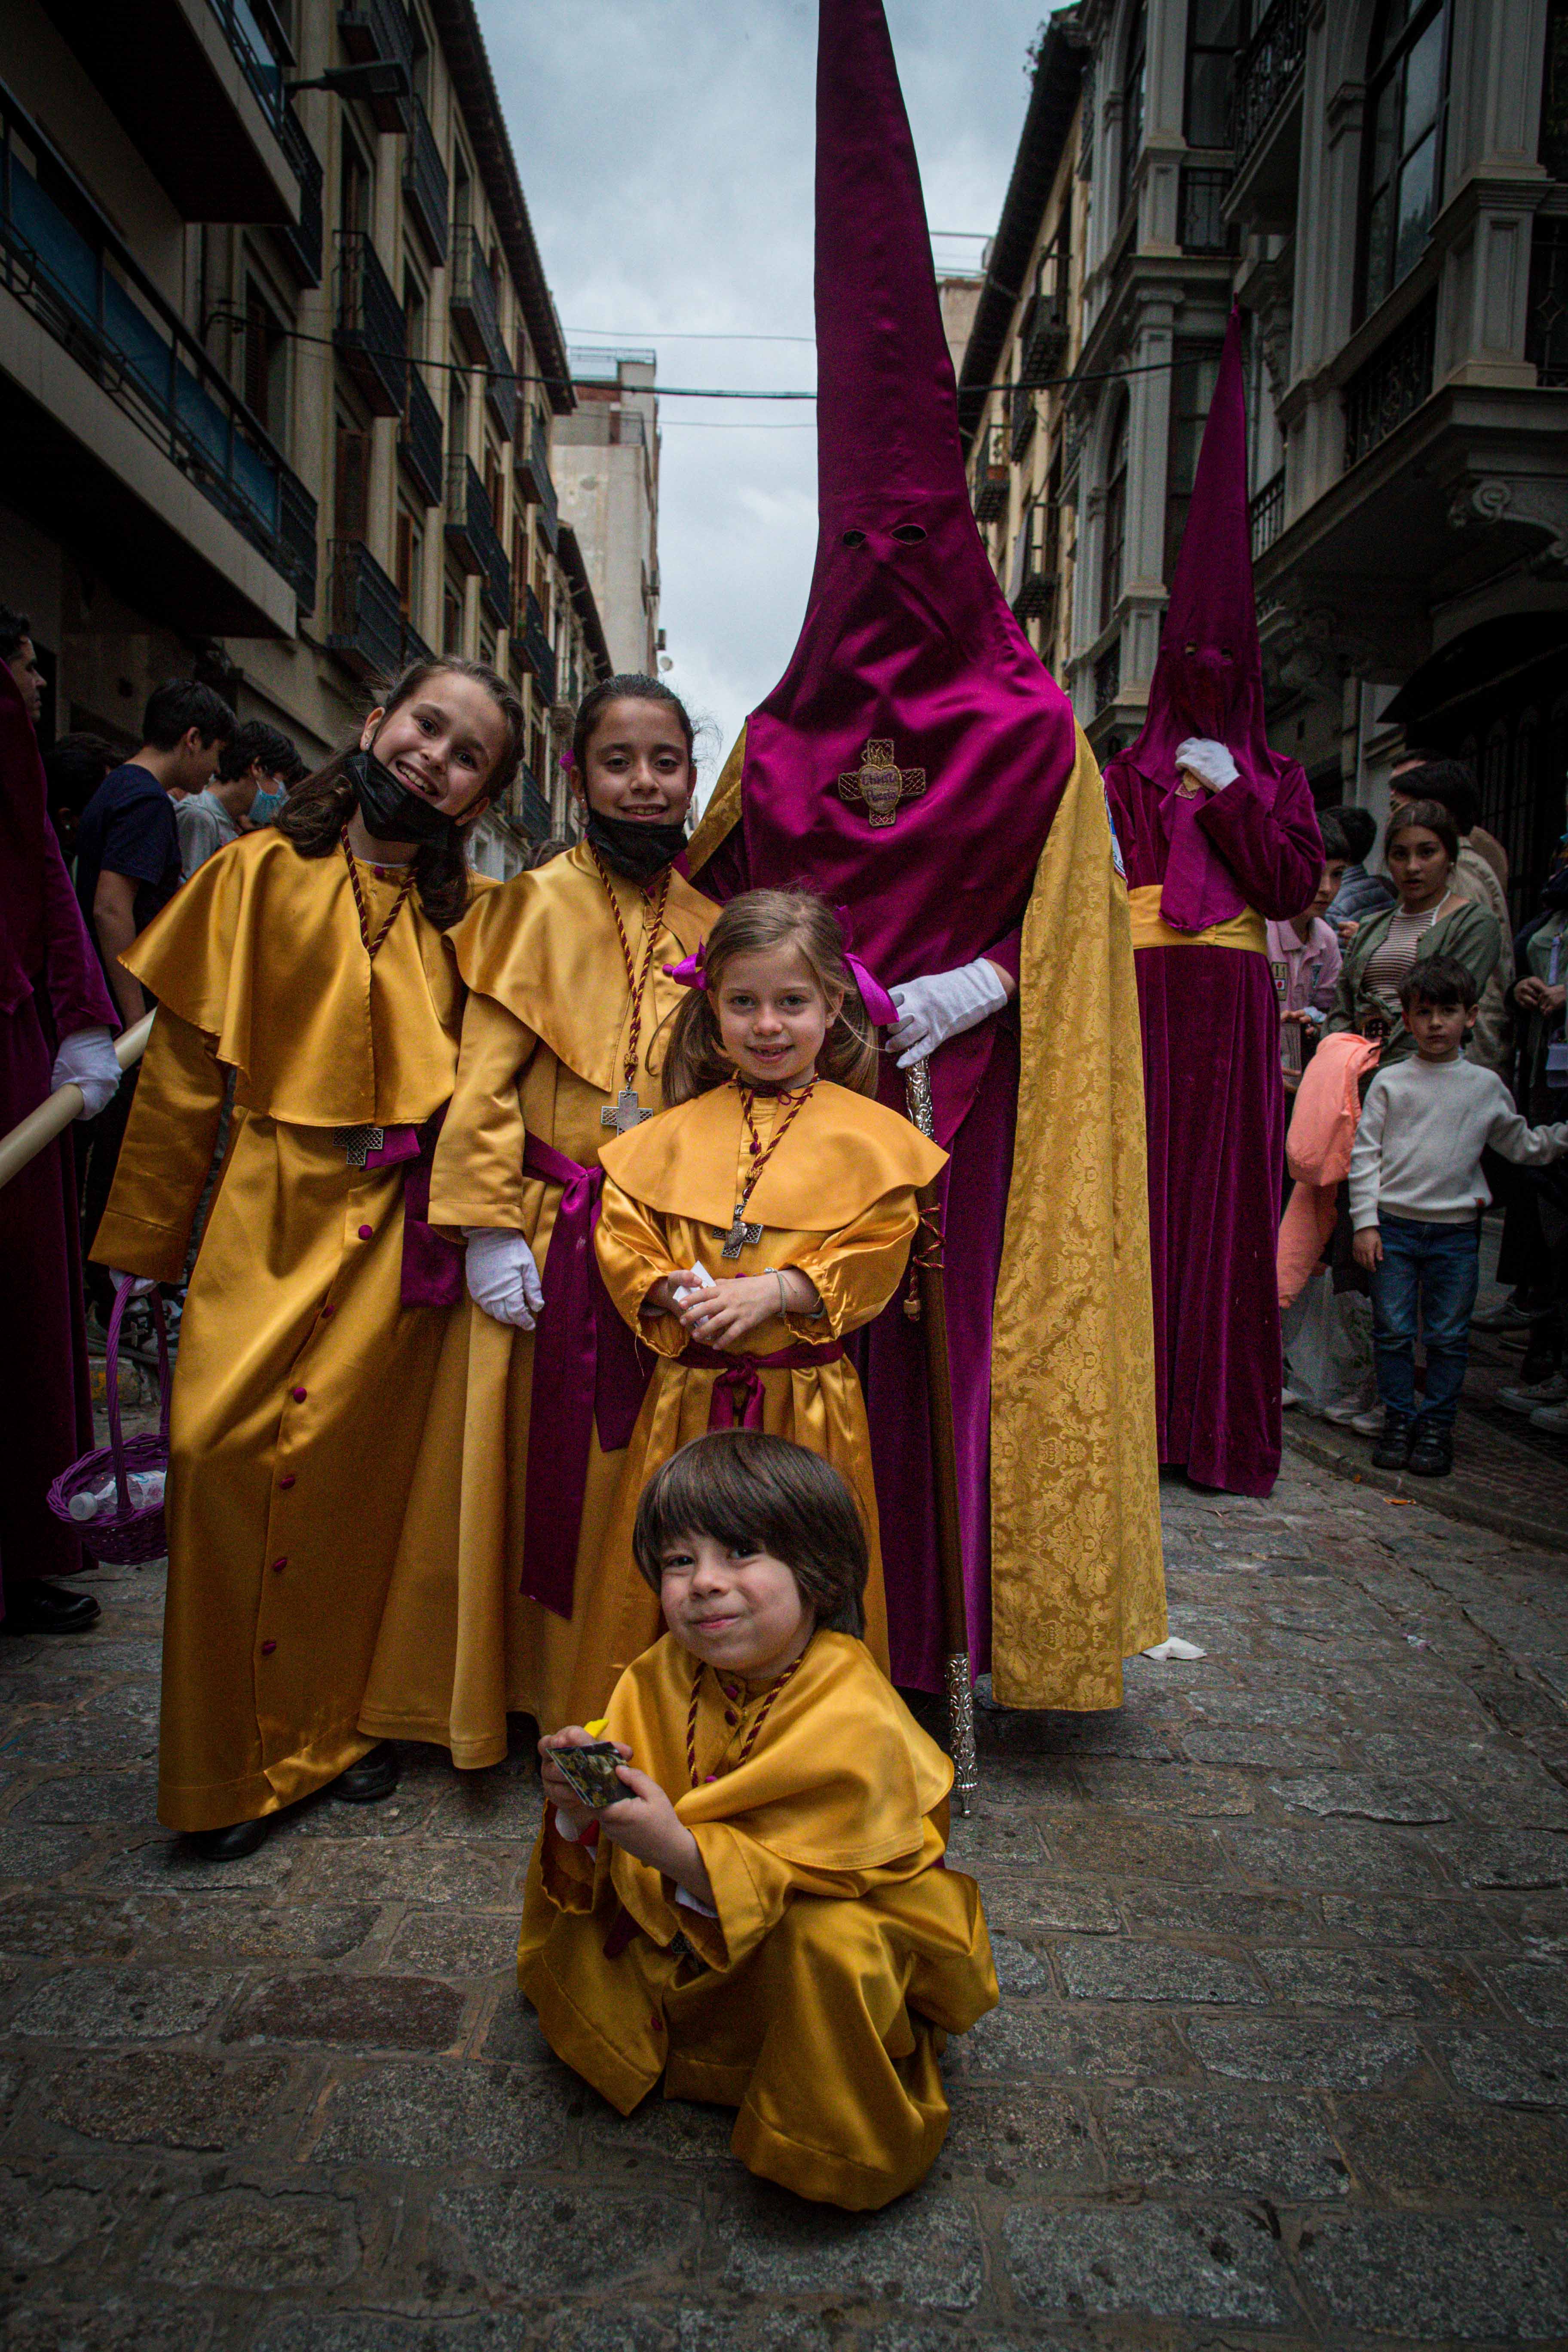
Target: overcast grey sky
{"x": 666, "y": 150}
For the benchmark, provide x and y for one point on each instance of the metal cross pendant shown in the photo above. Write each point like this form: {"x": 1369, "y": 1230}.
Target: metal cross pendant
{"x": 625, "y": 1113}
{"x": 740, "y": 1236}
{"x": 881, "y": 782}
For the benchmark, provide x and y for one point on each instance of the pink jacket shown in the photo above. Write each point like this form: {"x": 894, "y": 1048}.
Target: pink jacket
{"x": 1318, "y": 1150}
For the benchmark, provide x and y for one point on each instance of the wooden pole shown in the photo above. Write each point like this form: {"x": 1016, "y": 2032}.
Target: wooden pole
{"x": 932, "y": 1314}
{"x": 56, "y": 1112}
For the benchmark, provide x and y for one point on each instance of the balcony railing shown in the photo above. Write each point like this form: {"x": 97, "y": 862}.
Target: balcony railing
{"x": 1205, "y": 228}
{"x": 1272, "y": 59}
{"x": 370, "y": 332}
{"x": 530, "y": 460}
{"x": 1044, "y": 337}
{"x": 990, "y": 476}
{"x": 1035, "y": 593}
{"x": 302, "y": 244}
{"x": 255, "y": 59}
{"x": 365, "y": 620}
{"x": 1546, "y": 318}
{"x": 1267, "y": 513}
{"x": 531, "y": 642}
{"x": 64, "y": 264}
{"x": 529, "y": 809}
{"x": 1108, "y": 678}
{"x": 471, "y": 299}
{"x": 425, "y": 184}
{"x": 379, "y": 30}
{"x": 419, "y": 441}
{"x": 1392, "y": 383}
{"x": 471, "y": 535}
{"x": 1021, "y": 420}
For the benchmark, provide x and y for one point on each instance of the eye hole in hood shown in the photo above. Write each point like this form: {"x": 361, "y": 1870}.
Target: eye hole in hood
{"x": 910, "y": 533}
{"x": 853, "y": 539}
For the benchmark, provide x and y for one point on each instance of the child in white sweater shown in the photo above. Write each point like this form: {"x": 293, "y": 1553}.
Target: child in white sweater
{"x": 1417, "y": 1195}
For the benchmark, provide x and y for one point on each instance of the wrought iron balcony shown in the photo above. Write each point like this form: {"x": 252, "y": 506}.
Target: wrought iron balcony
{"x": 62, "y": 260}
{"x": 1204, "y": 227}
{"x": 425, "y": 184}
{"x": 1021, "y": 418}
{"x": 472, "y": 536}
{"x": 370, "y": 332}
{"x": 378, "y": 31}
{"x": 365, "y": 620}
{"x": 302, "y": 244}
{"x": 527, "y": 804}
{"x": 1546, "y": 318}
{"x": 419, "y": 440}
{"x": 471, "y": 299}
{"x": 531, "y": 459}
{"x": 990, "y": 476}
{"x": 1269, "y": 65}
{"x": 1108, "y": 678}
{"x": 255, "y": 59}
{"x": 530, "y": 642}
{"x": 1035, "y": 593}
{"x": 1266, "y": 512}
{"x": 1392, "y": 383}
{"x": 1043, "y": 339}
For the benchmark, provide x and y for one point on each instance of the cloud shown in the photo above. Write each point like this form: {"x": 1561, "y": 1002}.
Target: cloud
{"x": 666, "y": 148}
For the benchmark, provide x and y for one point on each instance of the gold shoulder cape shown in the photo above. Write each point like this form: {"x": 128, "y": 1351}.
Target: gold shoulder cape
{"x": 1077, "y": 1578}
{"x": 842, "y": 1779}
{"x": 261, "y": 950}
{"x": 842, "y": 1152}
{"x": 537, "y": 946}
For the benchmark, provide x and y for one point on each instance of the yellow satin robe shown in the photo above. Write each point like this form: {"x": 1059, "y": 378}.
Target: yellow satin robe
{"x": 543, "y": 1051}
{"x": 837, "y": 1200}
{"x": 819, "y": 2000}
{"x": 303, "y": 1384}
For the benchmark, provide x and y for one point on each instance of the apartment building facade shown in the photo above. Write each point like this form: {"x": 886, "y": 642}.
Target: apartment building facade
{"x": 607, "y": 454}
{"x": 278, "y": 370}
{"x": 1382, "y": 185}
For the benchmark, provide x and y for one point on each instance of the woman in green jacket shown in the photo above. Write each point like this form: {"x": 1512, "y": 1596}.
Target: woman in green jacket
{"x": 1420, "y": 850}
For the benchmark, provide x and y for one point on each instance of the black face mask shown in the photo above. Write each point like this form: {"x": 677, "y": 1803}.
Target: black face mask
{"x": 634, "y": 845}
{"x": 388, "y": 810}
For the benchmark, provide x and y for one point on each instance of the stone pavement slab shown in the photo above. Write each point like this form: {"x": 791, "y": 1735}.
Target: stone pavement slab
{"x": 1281, "y": 2059}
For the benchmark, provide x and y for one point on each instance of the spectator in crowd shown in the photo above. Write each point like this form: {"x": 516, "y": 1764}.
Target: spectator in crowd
{"x": 20, "y": 658}
{"x": 554, "y": 845}
{"x": 255, "y": 770}
{"x": 1416, "y": 1196}
{"x": 56, "y": 1016}
{"x": 1304, "y": 955}
{"x": 127, "y": 869}
{"x": 1421, "y": 848}
{"x": 1533, "y": 1258}
{"x": 1449, "y": 783}
{"x": 74, "y": 767}
{"x": 1360, "y": 894}
{"x": 1486, "y": 844}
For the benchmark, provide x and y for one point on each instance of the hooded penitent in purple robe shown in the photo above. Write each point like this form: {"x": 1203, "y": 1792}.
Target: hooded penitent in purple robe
{"x": 51, "y": 986}
{"x": 1201, "y": 864}
{"x": 911, "y": 764}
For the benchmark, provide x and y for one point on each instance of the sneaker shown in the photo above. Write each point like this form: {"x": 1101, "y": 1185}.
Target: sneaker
{"x": 1552, "y": 1418}
{"x": 1287, "y": 1397}
{"x": 1366, "y": 1423}
{"x": 1509, "y": 1315}
{"x": 1431, "y": 1452}
{"x": 1532, "y": 1395}
{"x": 1392, "y": 1448}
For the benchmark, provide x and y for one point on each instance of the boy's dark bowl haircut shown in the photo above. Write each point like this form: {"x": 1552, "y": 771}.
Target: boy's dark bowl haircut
{"x": 1441, "y": 980}
{"x": 742, "y": 1487}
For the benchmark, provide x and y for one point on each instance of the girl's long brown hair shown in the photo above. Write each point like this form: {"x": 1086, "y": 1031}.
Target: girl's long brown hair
{"x": 316, "y": 812}
{"x": 753, "y": 924}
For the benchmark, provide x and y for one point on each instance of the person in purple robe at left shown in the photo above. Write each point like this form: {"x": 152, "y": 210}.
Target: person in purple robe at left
{"x": 1219, "y": 837}
{"x": 55, "y": 1025}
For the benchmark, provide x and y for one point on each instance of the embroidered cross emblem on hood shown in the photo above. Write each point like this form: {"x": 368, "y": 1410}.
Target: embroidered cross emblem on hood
{"x": 881, "y": 782}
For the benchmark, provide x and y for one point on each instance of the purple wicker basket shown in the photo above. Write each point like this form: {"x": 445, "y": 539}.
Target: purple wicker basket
{"x": 127, "y": 1538}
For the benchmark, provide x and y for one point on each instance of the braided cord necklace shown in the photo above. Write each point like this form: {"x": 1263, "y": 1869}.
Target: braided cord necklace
{"x": 627, "y": 1112}
{"x": 751, "y": 1737}
{"x": 741, "y": 1234}
{"x": 371, "y": 947}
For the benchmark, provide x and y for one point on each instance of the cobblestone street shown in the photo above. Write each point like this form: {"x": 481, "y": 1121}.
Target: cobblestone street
{"x": 1282, "y": 2057}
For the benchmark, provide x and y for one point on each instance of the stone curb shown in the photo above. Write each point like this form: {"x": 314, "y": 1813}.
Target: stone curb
{"x": 1450, "y": 1496}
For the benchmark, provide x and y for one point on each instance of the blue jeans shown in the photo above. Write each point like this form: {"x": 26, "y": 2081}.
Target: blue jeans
{"x": 1434, "y": 1268}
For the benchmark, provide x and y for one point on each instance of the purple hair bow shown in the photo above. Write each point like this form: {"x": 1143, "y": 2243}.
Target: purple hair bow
{"x": 692, "y": 973}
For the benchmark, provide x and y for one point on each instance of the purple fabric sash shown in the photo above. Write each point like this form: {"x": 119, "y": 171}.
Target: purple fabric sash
{"x": 586, "y": 1374}
{"x": 432, "y": 1266}
{"x": 738, "y": 1391}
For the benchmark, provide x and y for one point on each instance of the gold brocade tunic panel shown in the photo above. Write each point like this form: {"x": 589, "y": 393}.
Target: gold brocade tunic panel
{"x": 543, "y": 1053}
{"x": 817, "y": 1998}
{"x": 304, "y": 1386}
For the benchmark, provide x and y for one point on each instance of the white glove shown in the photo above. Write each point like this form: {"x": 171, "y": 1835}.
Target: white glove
{"x": 1209, "y": 761}
{"x": 141, "y": 1283}
{"x": 943, "y": 1005}
{"x": 502, "y": 1276}
{"x": 87, "y": 1060}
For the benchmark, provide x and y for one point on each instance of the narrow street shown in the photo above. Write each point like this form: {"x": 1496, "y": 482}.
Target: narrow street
{"x": 1283, "y": 2055}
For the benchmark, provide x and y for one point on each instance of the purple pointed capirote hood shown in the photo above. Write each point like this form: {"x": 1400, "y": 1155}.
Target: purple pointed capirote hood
{"x": 911, "y": 679}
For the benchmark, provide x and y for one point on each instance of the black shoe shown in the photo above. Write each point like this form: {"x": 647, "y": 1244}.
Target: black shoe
{"x": 373, "y": 1778}
{"x": 1392, "y": 1448}
{"x": 232, "y": 1843}
{"x": 1432, "y": 1453}
{"x": 34, "y": 1606}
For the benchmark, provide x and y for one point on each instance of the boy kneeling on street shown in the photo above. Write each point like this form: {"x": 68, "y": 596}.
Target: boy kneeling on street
{"x": 762, "y": 1916}
{"x": 1416, "y": 1196}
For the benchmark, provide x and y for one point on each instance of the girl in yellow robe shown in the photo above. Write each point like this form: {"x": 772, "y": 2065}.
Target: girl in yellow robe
{"x": 311, "y": 958}
{"x": 763, "y": 1915}
{"x": 746, "y": 1231}
{"x": 563, "y": 1036}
